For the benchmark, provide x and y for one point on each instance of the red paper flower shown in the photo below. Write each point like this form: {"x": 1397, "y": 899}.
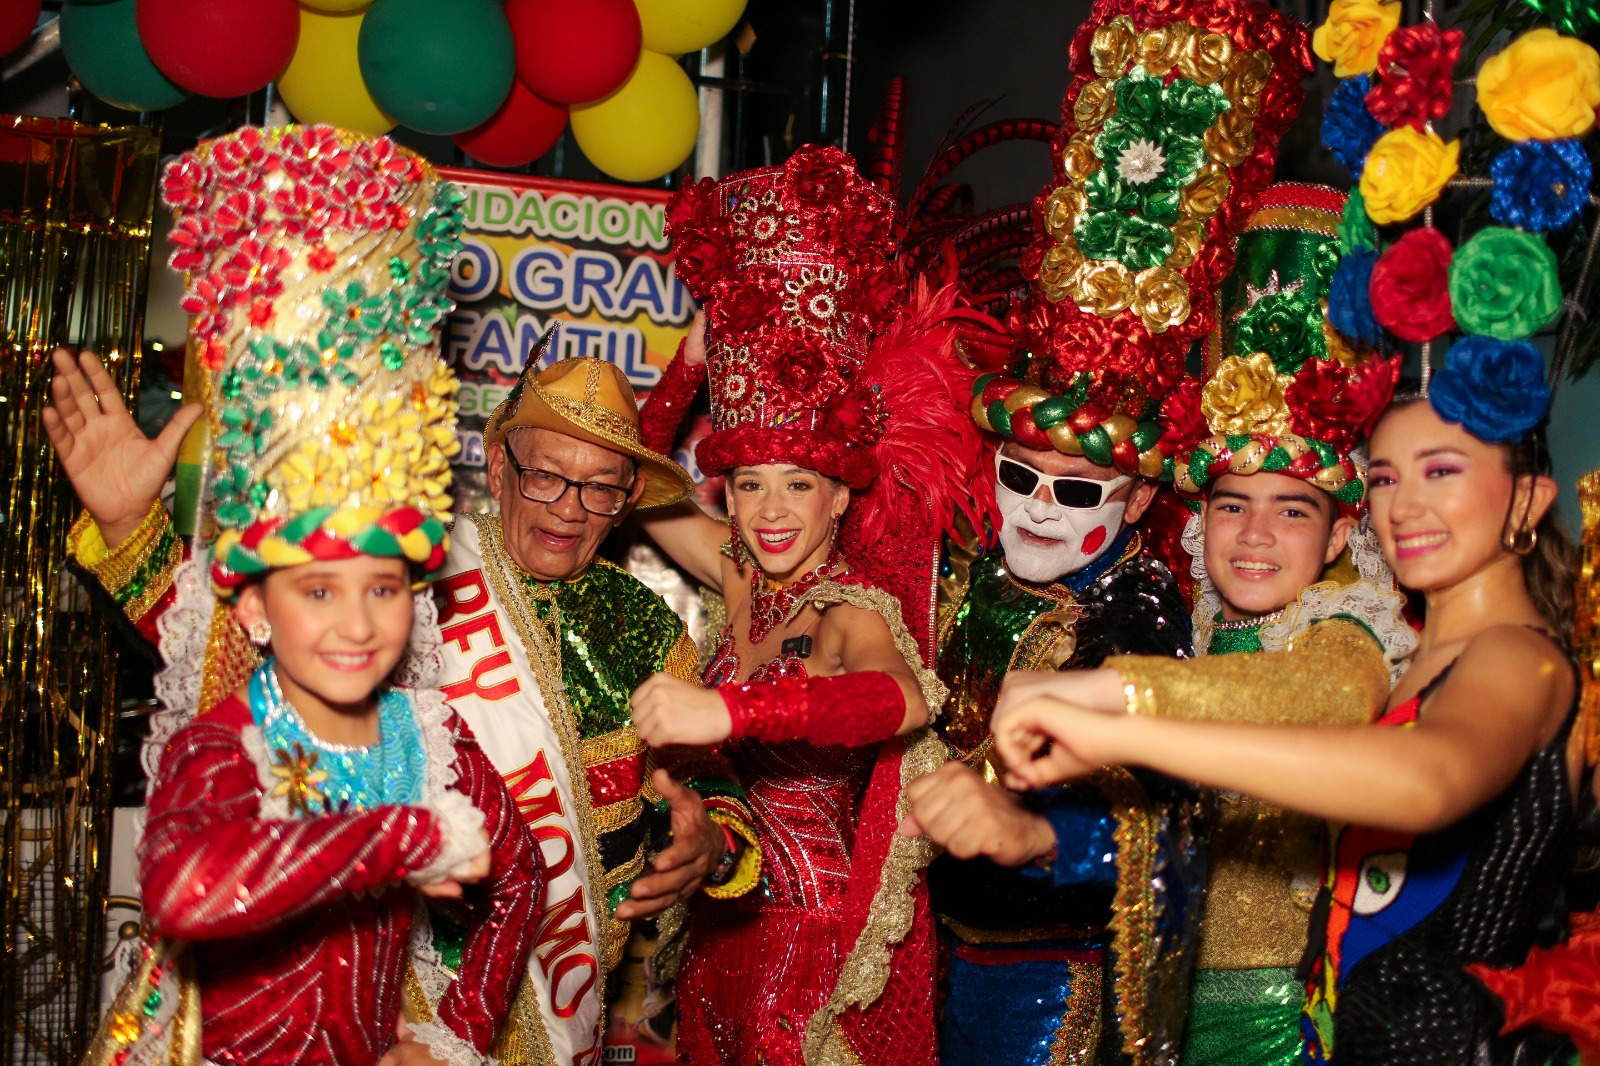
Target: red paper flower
{"x": 1183, "y": 424}
{"x": 380, "y": 157}
{"x": 239, "y": 214}
{"x": 313, "y": 153}
{"x": 856, "y": 417}
{"x": 1317, "y": 403}
{"x": 1338, "y": 405}
{"x": 185, "y": 182}
{"x": 240, "y": 156}
{"x": 1415, "y": 76}
{"x": 1409, "y": 288}
{"x": 194, "y": 241}
{"x": 1368, "y": 392}
{"x": 820, "y": 176}
{"x": 743, "y": 303}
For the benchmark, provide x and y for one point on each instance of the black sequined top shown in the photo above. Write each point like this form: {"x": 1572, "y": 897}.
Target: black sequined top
{"x": 1404, "y": 914}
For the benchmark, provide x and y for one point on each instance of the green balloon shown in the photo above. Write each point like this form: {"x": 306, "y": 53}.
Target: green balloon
{"x": 101, "y": 43}
{"x": 438, "y": 68}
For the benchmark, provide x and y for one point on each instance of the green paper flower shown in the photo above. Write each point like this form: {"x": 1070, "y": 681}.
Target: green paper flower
{"x": 1287, "y": 326}
{"x": 1355, "y": 228}
{"x": 353, "y": 313}
{"x": 1133, "y": 240}
{"x": 417, "y": 315}
{"x": 1503, "y": 284}
{"x": 245, "y": 429}
{"x": 1150, "y": 150}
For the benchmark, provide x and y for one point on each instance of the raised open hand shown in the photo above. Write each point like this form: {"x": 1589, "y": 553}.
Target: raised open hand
{"x": 115, "y": 469}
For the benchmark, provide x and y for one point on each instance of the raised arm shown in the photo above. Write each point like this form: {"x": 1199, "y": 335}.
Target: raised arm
{"x": 114, "y": 468}
{"x": 211, "y": 866}
{"x": 1507, "y": 696}
{"x": 691, "y": 537}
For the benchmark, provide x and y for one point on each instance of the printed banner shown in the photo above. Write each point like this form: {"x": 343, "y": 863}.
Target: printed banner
{"x": 538, "y": 250}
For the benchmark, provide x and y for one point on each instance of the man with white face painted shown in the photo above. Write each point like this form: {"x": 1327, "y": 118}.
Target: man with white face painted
{"x": 1031, "y": 885}
{"x": 1045, "y": 539}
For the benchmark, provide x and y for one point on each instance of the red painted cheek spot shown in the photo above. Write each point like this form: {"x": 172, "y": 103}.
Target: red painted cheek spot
{"x": 1092, "y": 542}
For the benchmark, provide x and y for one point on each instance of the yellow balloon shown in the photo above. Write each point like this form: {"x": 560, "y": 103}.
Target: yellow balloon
{"x": 335, "y": 5}
{"x": 674, "y": 27}
{"x": 323, "y": 80}
{"x": 645, "y": 129}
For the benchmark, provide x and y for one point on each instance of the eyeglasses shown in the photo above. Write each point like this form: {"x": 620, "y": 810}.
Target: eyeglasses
{"x": 1078, "y": 493}
{"x": 547, "y": 486}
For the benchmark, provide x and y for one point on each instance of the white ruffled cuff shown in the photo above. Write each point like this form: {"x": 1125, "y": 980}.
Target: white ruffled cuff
{"x": 460, "y": 836}
{"x": 445, "y": 1045}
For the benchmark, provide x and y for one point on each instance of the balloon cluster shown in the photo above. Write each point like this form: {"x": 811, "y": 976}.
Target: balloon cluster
{"x": 501, "y": 79}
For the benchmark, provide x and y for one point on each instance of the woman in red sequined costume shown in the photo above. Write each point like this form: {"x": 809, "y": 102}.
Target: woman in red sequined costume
{"x": 292, "y": 827}
{"x": 831, "y": 393}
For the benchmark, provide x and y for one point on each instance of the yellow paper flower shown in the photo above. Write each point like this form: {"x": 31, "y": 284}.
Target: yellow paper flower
{"x": 1353, "y": 34}
{"x": 311, "y": 476}
{"x": 1405, "y": 172}
{"x": 1543, "y": 86}
{"x": 1245, "y": 397}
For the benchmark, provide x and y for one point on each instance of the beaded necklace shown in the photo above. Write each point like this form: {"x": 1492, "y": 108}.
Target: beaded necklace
{"x": 1243, "y": 635}
{"x": 316, "y": 776}
{"x": 770, "y": 602}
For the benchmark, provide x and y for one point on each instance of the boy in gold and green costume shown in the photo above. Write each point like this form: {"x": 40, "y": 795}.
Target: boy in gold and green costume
{"x": 1286, "y": 574}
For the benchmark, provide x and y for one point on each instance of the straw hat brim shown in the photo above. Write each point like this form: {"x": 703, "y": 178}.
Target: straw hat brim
{"x": 665, "y": 482}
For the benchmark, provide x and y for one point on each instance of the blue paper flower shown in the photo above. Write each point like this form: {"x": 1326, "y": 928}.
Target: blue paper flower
{"x": 1540, "y": 185}
{"x": 1349, "y": 306}
{"x": 1493, "y": 389}
{"x": 1348, "y": 128}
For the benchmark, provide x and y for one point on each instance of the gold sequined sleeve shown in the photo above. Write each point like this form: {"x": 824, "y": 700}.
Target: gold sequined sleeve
{"x": 139, "y": 571}
{"x": 683, "y": 659}
{"x": 1332, "y": 674}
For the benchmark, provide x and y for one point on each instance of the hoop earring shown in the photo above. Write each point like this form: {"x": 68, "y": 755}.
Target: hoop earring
{"x": 260, "y": 632}
{"x": 1522, "y": 542}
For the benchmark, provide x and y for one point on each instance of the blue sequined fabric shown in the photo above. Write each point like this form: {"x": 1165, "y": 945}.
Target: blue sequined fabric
{"x": 392, "y": 771}
{"x": 1005, "y": 1007}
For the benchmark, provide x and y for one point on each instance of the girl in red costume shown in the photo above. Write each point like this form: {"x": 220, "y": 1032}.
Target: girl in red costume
{"x": 820, "y": 685}
{"x": 293, "y": 826}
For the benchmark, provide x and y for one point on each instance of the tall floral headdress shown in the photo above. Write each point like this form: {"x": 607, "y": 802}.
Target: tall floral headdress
{"x": 1169, "y": 131}
{"x": 315, "y": 266}
{"x": 1284, "y": 391}
{"x": 795, "y": 265}
{"x": 1502, "y": 285}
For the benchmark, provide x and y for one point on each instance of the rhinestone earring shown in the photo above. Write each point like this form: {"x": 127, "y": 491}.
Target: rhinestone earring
{"x": 735, "y": 545}
{"x": 260, "y": 632}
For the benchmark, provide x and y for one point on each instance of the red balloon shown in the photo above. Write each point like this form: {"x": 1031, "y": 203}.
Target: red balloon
{"x": 17, "y": 20}
{"x": 525, "y": 128}
{"x": 574, "y": 51}
{"x": 219, "y": 47}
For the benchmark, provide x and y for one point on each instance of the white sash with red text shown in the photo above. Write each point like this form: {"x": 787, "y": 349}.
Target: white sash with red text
{"x": 489, "y": 679}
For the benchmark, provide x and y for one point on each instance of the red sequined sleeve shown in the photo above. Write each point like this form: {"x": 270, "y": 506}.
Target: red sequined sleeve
{"x": 664, "y": 410}
{"x": 212, "y": 867}
{"x": 497, "y": 945}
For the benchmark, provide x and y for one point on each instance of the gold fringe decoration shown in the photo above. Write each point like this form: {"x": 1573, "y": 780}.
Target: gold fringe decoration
{"x": 1586, "y": 611}
{"x": 75, "y": 210}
